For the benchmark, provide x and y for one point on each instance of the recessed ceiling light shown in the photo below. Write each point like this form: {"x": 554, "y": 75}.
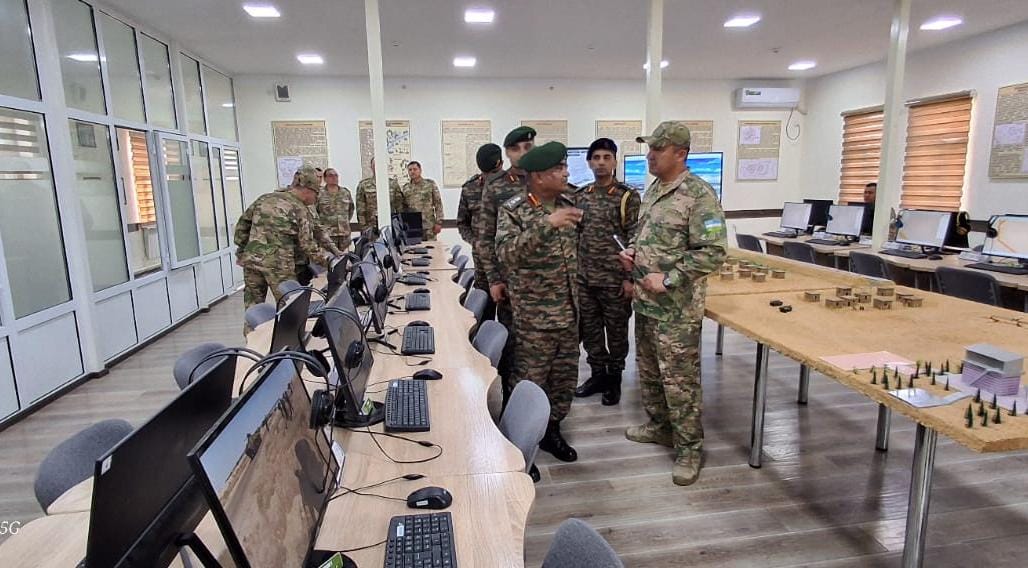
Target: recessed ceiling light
{"x": 261, "y": 10}
{"x": 802, "y": 66}
{"x": 742, "y": 21}
{"x": 464, "y": 61}
{"x": 228, "y": 105}
{"x": 941, "y": 23}
{"x": 84, "y": 57}
{"x": 310, "y": 59}
{"x": 663, "y": 64}
{"x": 479, "y": 16}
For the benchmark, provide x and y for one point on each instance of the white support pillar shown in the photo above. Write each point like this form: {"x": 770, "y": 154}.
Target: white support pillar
{"x": 654, "y": 55}
{"x": 374, "y": 33}
{"x": 893, "y": 127}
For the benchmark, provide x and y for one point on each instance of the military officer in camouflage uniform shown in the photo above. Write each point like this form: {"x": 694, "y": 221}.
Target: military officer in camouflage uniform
{"x": 270, "y": 232}
{"x": 680, "y": 241}
{"x": 499, "y": 188}
{"x": 421, "y": 195}
{"x": 604, "y": 288}
{"x": 367, "y": 200}
{"x": 490, "y": 160}
{"x": 335, "y": 208}
{"x": 537, "y": 242}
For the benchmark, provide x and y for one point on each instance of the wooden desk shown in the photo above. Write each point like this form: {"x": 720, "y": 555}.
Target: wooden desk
{"x": 440, "y": 257}
{"x": 776, "y": 246}
{"x": 58, "y": 540}
{"x": 924, "y": 265}
{"x": 78, "y": 499}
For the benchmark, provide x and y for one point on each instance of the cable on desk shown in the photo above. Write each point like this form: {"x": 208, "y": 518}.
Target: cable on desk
{"x": 424, "y": 443}
{"x": 380, "y": 543}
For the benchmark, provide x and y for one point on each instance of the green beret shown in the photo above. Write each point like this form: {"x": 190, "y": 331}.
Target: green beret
{"x": 542, "y": 158}
{"x": 519, "y": 134}
{"x": 487, "y": 156}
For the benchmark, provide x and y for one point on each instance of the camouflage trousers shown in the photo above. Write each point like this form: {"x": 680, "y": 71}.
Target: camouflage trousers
{"x": 505, "y": 315}
{"x": 668, "y": 358}
{"x": 603, "y": 314}
{"x": 256, "y": 282}
{"x": 549, "y": 358}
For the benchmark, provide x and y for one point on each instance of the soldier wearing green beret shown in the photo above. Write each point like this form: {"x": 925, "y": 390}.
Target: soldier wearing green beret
{"x": 489, "y": 158}
{"x": 421, "y": 195}
{"x": 537, "y": 243}
{"x": 680, "y": 241}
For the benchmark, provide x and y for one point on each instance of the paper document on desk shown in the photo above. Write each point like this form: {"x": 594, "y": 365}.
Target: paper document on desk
{"x": 920, "y": 398}
{"x": 861, "y": 361}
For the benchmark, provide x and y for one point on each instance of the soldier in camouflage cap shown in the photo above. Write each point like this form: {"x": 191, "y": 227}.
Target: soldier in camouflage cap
{"x": 680, "y": 241}
{"x": 490, "y": 160}
{"x": 421, "y": 195}
{"x": 269, "y": 234}
{"x": 335, "y": 208}
{"x": 367, "y": 200}
{"x": 537, "y": 242}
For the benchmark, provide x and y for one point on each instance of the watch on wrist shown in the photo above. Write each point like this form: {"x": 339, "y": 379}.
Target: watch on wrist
{"x": 667, "y": 281}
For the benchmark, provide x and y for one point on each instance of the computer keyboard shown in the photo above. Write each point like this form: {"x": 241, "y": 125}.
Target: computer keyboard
{"x": 828, "y": 242}
{"x": 406, "y": 406}
{"x": 1015, "y": 270}
{"x": 420, "y": 261}
{"x": 904, "y": 253}
{"x": 418, "y": 340}
{"x": 415, "y": 301}
{"x": 412, "y": 279}
{"x": 781, "y": 235}
{"x": 417, "y": 250}
{"x": 417, "y": 541}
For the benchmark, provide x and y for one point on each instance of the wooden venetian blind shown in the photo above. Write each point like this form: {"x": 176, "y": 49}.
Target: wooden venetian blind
{"x": 141, "y": 178}
{"x": 936, "y": 154}
{"x": 861, "y": 153}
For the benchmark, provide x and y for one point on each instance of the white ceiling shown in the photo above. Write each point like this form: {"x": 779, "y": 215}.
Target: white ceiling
{"x": 557, "y": 38}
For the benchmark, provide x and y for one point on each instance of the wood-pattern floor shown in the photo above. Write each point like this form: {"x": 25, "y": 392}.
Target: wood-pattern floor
{"x": 824, "y": 497}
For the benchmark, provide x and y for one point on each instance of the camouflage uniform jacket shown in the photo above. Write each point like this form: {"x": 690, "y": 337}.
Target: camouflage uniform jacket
{"x": 321, "y": 236}
{"x": 367, "y": 201}
{"x": 423, "y": 197}
{"x": 335, "y": 208}
{"x": 542, "y": 264}
{"x": 681, "y": 233}
{"x": 499, "y": 188}
{"x": 469, "y": 206}
{"x": 609, "y": 211}
{"x": 272, "y": 229}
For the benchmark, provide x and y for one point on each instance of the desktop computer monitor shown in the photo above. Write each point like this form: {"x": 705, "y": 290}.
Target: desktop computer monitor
{"x": 337, "y": 275}
{"x": 414, "y": 227}
{"x": 291, "y": 322}
{"x": 1010, "y": 239}
{"x": 845, "y": 220}
{"x": 796, "y": 216}
{"x": 385, "y": 259}
{"x": 266, "y": 473}
{"x": 819, "y": 211}
{"x": 399, "y": 231}
{"x": 144, "y": 496}
{"x": 634, "y": 170}
{"x": 923, "y": 228}
{"x": 368, "y": 283}
{"x": 579, "y": 173}
{"x": 353, "y": 361}
{"x": 707, "y": 166}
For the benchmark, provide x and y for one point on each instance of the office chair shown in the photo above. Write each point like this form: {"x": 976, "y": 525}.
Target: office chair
{"x": 748, "y": 242}
{"x": 525, "y": 418}
{"x": 461, "y": 263}
{"x": 466, "y": 279}
{"x": 290, "y": 285}
{"x": 490, "y": 339}
{"x": 74, "y": 459}
{"x": 454, "y": 252}
{"x": 799, "y": 251}
{"x": 577, "y": 545}
{"x": 259, "y": 313}
{"x": 869, "y": 265}
{"x": 476, "y": 303}
{"x": 186, "y": 363}
{"x": 968, "y": 284}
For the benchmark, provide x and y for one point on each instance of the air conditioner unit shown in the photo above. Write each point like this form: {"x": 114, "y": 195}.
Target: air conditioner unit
{"x": 767, "y": 97}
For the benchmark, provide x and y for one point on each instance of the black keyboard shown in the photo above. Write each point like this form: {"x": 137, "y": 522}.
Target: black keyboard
{"x": 781, "y": 235}
{"x": 1015, "y": 270}
{"x": 417, "y": 541}
{"x": 412, "y": 279}
{"x": 406, "y": 406}
{"x": 418, "y": 340}
{"x": 828, "y": 242}
{"x": 420, "y": 261}
{"x": 904, "y": 253}
{"x": 418, "y": 302}
{"x": 417, "y": 250}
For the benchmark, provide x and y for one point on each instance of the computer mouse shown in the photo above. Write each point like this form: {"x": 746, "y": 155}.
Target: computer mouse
{"x": 935, "y": 257}
{"x": 422, "y": 291}
{"x": 429, "y": 498}
{"x": 419, "y": 323}
{"x": 427, "y": 375}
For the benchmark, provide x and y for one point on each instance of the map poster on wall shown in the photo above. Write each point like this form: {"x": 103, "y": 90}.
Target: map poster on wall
{"x": 1009, "y": 155}
{"x": 758, "y": 151}
{"x": 701, "y": 135}
{"x": 298, "y": 143}
{"x": 397, "y": 148}
{"x": 461, "y": 140}
{"x": 548, "y": 130}
{"x": 623, "y": 133}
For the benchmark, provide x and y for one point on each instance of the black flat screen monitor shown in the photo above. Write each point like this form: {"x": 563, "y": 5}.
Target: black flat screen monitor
{"x": 352, "y": 363}
{"x": 266, "y": 474}
{"x": 845, "y": 220}
{"x": 337, "y": 275}
{"x": 144, "y": 495}
{"x": 796, "y": 216}
{"x": 399, "y": 231}
{"x": 414, "y": 226}
{"x": 291, "y": 323}
{"x": 386, "y": 261}
{"x": 374, "y": 291}
{"x": 819, "y": 211}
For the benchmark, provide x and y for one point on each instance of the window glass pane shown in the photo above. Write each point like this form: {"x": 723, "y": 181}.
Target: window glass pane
{"x": 203, "y": 196}
{"x": 30, "y": 231}
{"x": 122, "y": 69}
{"x": 180, "y": 198}
{"x": 193, "y": 95}
{"x": 219, "y": 196}
{"x": 98, "y": 195}
{"x": 233, "y": 191}
{"x": 18, "y": 65}
{"x": 220, "y": 104}
{"x": 144, "y": 242}
{"x": 80, "y": 60}
{"x": 160, "y": 101}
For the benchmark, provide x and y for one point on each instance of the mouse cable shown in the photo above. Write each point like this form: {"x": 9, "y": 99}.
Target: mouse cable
{"x": 424, "y": 443}
{"x": 419, "y": 361}
{"x": 380, "y": 543}
{"x": 342, "y": 490}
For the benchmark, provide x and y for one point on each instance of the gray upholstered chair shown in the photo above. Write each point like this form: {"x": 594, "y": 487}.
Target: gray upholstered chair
{"x": 968, "y": 284}
{"x": 869, "y": 265}
{"x": 74, "y": 459}
{"x": 454, "y": 252}
{"x": 577, "y": 545}
{"x": 476, "y": 302}
{"x": 259, "y": 313}
{"x": 799, "y": 251}
{"x": 490, "y": 339}
{"x": 525, "y": 418}
{"x": 183, "y": 371}
{"x": 466, "y": 278}
{"x": 748, "y": 242}
{"x": 461, "y": 262}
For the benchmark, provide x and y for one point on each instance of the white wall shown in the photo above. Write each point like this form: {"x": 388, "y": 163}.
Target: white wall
{"x": 981, "y": 64}
{"x": 344, "y": 101}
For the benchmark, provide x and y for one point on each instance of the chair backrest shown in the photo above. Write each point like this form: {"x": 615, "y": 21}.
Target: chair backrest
{"x": 577, "y": 545}
{"x": 187, "y": 362}
{"x": 869, "y": 265}
{"x": 968, "y": 284}
{"x": 287, "y": 286}
{"x": 454, "y": 251}
{"x": 490, "y": 339}
{"x": 748, "y": 242}
{"x": 467, "y": 277}
{"x": 259, "y": 313}
{"x": 461, "y": 262}
{"x": 476, "y": 303}
{"x": 74, "y": 459}
{"x": 799, "y": 251}
{"x": 525, "y": 418}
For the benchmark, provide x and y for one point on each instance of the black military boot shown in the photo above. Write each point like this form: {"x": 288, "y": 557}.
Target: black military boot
{"x": 612, "y": 395}
{"x": 597, "y": 383}
{"x": 555, "y": 443}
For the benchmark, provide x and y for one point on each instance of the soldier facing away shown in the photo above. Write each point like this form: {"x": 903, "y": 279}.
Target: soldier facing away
{"x": 490, "y": 160}
{"x": 421, "y": 195}
{"x": 367, "y": 200}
